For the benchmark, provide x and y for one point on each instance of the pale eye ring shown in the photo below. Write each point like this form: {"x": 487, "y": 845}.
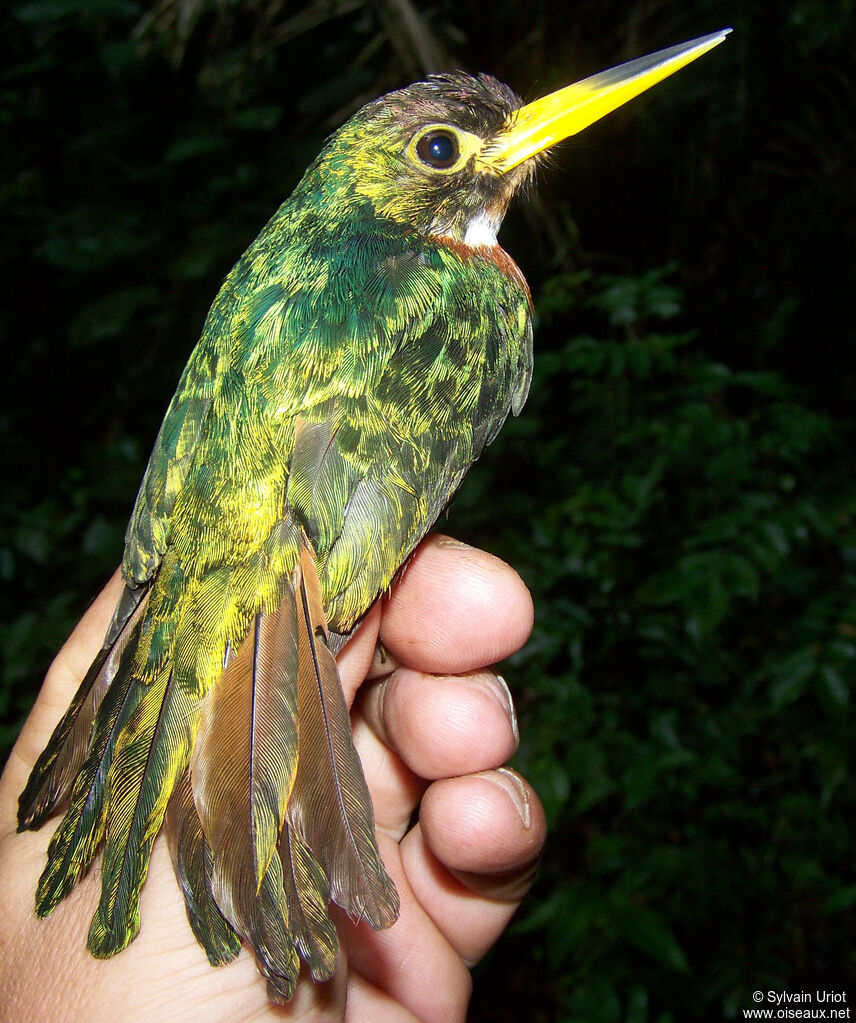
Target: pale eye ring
{"x": 438, "y": 149}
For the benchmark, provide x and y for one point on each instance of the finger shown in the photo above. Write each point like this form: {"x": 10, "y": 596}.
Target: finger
{"x": 383, "y": 663}
{"x": 413, "y": 726}
{"x": 455, "y": 608}
{"x": 444, "y": 726}
{"x": 366, "y": 1001}
{"x": 473, "y": 855}
{"x": 445, "y": 586}
{"x": 395, "y": 790}
{"x": 411, "y": 960}
{"x": 355, "y": 658}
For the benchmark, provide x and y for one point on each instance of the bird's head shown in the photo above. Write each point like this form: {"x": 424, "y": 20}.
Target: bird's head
{"x": 445, "y": 156}
{"x": 422, "y": 161}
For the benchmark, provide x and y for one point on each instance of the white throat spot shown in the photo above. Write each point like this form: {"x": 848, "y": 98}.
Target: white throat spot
{"x": 481, "y": 230}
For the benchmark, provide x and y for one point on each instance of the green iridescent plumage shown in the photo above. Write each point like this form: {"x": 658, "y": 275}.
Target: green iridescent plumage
{"x": 345, "y": 381}
{"x": 356, "y": 361}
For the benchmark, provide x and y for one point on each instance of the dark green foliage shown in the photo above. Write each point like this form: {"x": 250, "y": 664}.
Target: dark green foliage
{"x": 678, "y": 492}
{"x": 688, "y": 536}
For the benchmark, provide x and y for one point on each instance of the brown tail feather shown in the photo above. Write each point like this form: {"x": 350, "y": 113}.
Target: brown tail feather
{"x": 330, "y": 807}
{"x": 193, "y": 863}
{"x": 242, "y": 771}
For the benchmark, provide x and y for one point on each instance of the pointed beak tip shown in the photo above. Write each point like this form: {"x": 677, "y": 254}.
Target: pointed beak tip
{"x": 540, "y": 125}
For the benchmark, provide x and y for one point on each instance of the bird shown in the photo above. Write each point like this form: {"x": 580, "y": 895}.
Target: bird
{"x": 356, "y": 361}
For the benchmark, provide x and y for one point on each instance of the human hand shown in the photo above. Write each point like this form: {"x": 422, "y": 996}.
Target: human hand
{"x": 431, "y": 726}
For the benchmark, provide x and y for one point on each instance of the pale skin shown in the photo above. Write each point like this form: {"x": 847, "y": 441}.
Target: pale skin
{"x": 433, "y": 726}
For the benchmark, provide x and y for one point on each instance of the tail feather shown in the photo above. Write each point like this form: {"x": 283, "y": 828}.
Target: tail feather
{"x": 75, "y": 842}
{"x": 54, "y": 772}
{"x": 330, "y": 808}
{"x": 193, "y": 862}
{"x": 270, "y": 937}
{"x": 152, "y": 752}
{"x": 242, "y": 771}
{"x": 308, "y": 895}
{"x": 246, "y": 755}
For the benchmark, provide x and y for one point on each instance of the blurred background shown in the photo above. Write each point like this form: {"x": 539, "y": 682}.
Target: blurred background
{"x": 679, "y": 493}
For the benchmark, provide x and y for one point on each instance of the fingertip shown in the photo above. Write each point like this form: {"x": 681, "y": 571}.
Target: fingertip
{"x": 456, "y": 608}
{"x": 473, "y": 855}
{"x": 446, "y": 726}
{"x": 491, "y": 823}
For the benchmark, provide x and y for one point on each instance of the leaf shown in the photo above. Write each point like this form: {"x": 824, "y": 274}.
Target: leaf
{"x": 835, "y": 686}
{"x": 841, "y": 900}
{"x": 111, "y": 316}
{"x": 649, "y": 932}
{"x": 192, "y": 146}
{"x": 637, "y": 1006}
{"x": 264, "y": 117}
{"x": 789, "y": 677}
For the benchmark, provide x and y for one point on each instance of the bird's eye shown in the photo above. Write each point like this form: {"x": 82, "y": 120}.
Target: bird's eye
{"x": 438, "y": 149}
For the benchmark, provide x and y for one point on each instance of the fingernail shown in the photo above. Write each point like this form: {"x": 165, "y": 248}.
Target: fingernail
{"x": 449, "y": 541}
{"x": 512, "y": 785}
{"x": 383, "y": 663}
{"x": 505, "y": 693}
{"x": 498, "y": 689}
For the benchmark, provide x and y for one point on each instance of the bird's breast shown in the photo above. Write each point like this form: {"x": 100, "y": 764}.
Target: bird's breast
{"x": 480, "y": 243}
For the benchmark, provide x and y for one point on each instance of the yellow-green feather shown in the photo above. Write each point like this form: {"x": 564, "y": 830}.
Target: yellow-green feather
{"x": 151, "y": 754}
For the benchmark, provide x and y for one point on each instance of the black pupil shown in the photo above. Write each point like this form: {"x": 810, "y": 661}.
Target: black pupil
{"x": 438, "y": 149}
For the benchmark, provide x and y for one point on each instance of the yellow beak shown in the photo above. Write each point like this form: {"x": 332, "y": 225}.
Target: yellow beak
{"x": 552, "y": 118}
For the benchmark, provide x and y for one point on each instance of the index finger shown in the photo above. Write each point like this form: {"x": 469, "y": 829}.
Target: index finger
{"x": 455, "y": 608}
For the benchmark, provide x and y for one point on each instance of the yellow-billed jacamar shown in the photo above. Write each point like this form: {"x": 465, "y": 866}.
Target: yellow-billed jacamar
{"x": 356, "y": 361}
